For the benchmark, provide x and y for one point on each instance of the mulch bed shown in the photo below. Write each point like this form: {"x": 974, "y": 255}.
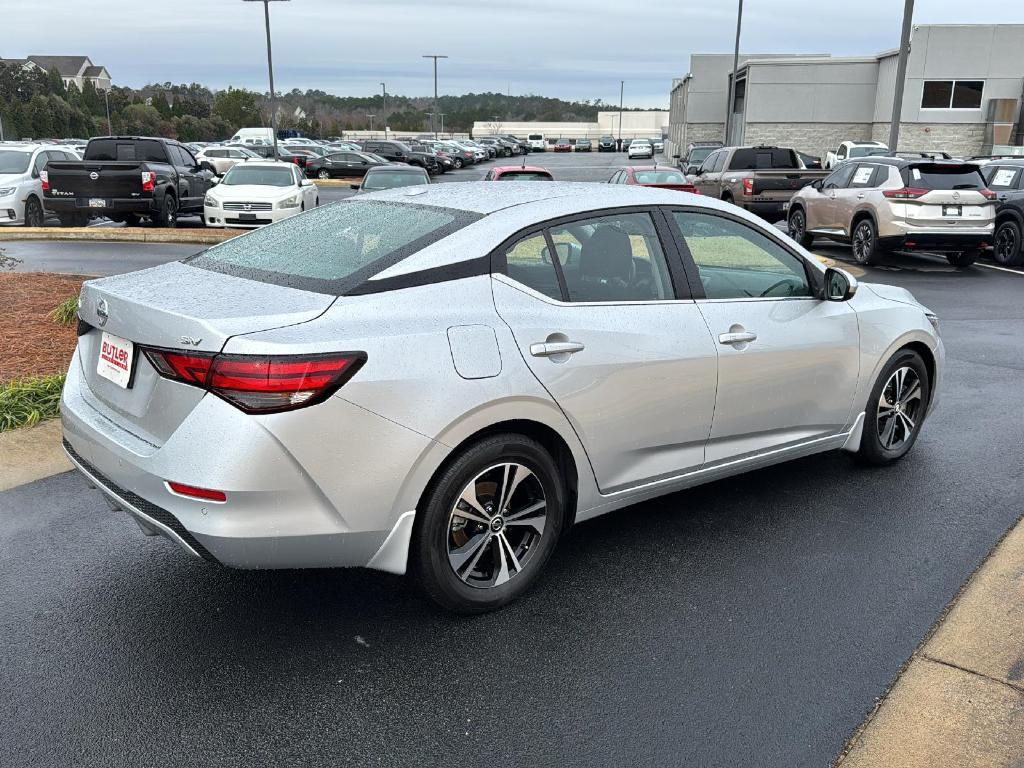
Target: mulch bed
{"x": 31, "y": 343}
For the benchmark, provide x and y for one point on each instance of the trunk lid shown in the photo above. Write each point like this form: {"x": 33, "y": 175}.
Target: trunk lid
{"x": 179, "y": 307}
{"x": 113, "y": 179}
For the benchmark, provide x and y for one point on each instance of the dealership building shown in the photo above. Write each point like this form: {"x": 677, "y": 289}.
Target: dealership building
{"x": 647, "y": 124}
{"x": 962, "y": 94}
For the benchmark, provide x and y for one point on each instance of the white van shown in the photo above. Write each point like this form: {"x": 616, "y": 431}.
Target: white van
{"x": 537, "y": 142}
{"x": 253, "y": 136}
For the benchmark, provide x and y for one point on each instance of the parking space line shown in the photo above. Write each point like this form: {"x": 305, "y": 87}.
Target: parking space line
{"x": 1017, "y": 272}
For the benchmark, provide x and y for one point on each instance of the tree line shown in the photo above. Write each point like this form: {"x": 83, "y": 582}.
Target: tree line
{"x": 35, "y": 104}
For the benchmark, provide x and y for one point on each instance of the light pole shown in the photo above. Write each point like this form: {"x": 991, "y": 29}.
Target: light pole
{"x": 371, "y": 124}
{"x": 435, "y": 57}
{"x": 384, "y": 111}
{"x": 901, "y": 76}
{"x": 442, "y": 123}
{"x": 622, "y": 90}
{"x": 731, "y": 90}
{"x": 270, "y": 69}
{"x": 106, "y": 101}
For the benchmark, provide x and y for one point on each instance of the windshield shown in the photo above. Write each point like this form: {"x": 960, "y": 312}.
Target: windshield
{"x": 12, "y": 161}
{"x": 659, "y": 177}
{"x": 334, "y": 248}
{"x": 525, "y": 176}
{"x": 377, "y": 180}
{"x": 699, "y": 155}
{"x": 263, "y": 176}
{"x": 126, "y": 149}
{"x": 868, "y": 151}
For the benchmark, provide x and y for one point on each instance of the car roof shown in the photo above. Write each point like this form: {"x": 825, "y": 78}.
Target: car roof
{"x": 519, "y": 169}
{"x": 1006, "y": 161}
{"x": 265, "y": 163}
{"x": 19, "y": 147}
{"x": 400, "y": 167}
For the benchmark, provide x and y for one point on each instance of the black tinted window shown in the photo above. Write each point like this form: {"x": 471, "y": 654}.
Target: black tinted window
{"x": 144, "y": 150}
{"x": 334, "y": 248}
{"x": 926, "y": 176}
{"x": 529, "y": 262}
{"x": 754, "y": 159}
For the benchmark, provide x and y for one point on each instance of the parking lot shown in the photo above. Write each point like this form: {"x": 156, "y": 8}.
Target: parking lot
{"x": 752, "y": 621}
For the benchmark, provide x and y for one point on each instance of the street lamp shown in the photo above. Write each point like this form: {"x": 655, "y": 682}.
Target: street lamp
{"x": 384, "y": 111}
{"x": 106, "y": 100}
{"x": 901, "y": 76}
{"x": 622, "y": 90}
{"x": 731, "y": 90}
{"x": 371, "y": 124}
{"x": 435, "y": 57}
{"x": 270, "y": 69}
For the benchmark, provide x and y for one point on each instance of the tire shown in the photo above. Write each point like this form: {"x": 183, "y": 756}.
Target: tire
{"x": 457, "y": 162}
{"x": 864, "y": 242}
{"x": 323, "y": 173}
{"x": 798, "y": 227}
{"x": 34, "y": 216}
{"x": 964, "y": 259}
{"x": 1007, "y": 250}
{"x": 168, "y": 215}
{"x": 879, "y": 446}
{"x": 463, "y": 563}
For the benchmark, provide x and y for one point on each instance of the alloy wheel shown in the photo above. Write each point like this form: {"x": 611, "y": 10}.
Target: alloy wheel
{"x": 323, "y": 174}
{"x": 863, "y": 242}
{"x": 33, "y": 213}
{"x": 496, "y": 525}
{"x": 796, "y": 225}
{"x": 899, "y": 408}
{"x": 1006, "y": 245}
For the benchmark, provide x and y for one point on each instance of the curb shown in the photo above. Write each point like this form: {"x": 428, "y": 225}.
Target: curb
{"x": 31, "y": 453}
{"x": 120, "y": 234}
{"x": 332, "y": 182}
{"x": 959, "y": 699}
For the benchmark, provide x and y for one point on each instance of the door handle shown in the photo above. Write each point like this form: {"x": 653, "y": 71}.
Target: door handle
{"x": 551, "y": 348}
{"x": 860, "y": 196}
{"x": 743, "y": 337}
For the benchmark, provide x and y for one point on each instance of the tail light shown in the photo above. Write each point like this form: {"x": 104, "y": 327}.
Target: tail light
{"x": 259, "y": 383}
{"x": 905, "y": 193}
{"x": 148, "y": 181}
{"x": 748, "y": 186}
{"x": 44, "y": 177}
{"x": 988, "y": 194}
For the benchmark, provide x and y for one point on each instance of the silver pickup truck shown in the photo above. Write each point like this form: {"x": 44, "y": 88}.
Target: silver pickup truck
{"x": 759, "y": 179}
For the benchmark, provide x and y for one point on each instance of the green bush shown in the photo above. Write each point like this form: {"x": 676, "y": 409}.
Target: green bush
{"x": 27, "y": 402}
{"x": 66, "y": 312}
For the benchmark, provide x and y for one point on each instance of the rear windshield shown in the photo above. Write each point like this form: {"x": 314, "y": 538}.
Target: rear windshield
{"x": 334, "y": 248}
{"x": 524, "y": 176}
{"x": 762, "y": 159}
{"x": 869, "y": 152}
{"x": 928, "y": 176}
{"x": 535, "y": 137}
{"x": 377, "y": 180}
{"x": 659, "y": 177}
{"x": 145, "y": 150}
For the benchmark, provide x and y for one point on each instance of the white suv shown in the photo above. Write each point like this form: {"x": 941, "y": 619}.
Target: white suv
{"x": 21, "y": 189}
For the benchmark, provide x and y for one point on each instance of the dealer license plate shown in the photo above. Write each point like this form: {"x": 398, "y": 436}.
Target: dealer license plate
{"x": 97, "y": 202}
{"x": 952, "y": 210}
{"x": 115, "y": 360}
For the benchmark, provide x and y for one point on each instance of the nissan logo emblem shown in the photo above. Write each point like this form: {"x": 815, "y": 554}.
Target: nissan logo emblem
{"x": 956, "y": 195}
{"x": 247, "y": 207}
{"x": 93, "y": 175}
{"x": 101, "y": 311}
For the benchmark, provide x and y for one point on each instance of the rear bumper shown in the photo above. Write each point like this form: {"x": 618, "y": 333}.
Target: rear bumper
{"x": 114, "y": 205}
{"x": 773, "y": 211}
{"x": 942, "y": 240}
{"x": 283, "y": 509}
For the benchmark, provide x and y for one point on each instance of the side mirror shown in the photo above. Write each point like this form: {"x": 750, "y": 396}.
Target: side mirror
{"x": 215, "y": 180}
{"x": 699, "y": 171}
{"x": 676, "y": 157}
{"x": 353, "y": 186}
{"x": 817, "y": 184}
{"x": 306, "y": 183}
{"x": 840, "y": 285}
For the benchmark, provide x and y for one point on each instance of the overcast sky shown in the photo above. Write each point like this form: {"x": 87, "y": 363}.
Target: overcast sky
{"x": 572, "y": 49}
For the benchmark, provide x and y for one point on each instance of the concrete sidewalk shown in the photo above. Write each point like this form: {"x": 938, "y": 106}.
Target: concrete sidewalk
{"x": 960, "y": 700}
{"x": 30, "y": 454}
{"x": 198, "y": 236}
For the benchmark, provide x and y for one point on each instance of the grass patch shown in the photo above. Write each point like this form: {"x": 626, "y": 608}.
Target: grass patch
{"x": 27, "y": 402}
{"x": 66, "y": 312}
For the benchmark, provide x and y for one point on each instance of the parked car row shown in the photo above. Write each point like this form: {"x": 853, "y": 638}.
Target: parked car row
{"x": 539, "y": 143}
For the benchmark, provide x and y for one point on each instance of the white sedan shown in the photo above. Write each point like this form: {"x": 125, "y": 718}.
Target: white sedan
{"x": 259, "y": 193}
{"x": 640, "y": 148}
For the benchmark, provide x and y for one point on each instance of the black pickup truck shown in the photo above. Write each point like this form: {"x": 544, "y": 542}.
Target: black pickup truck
{"x": 125, "y": 178}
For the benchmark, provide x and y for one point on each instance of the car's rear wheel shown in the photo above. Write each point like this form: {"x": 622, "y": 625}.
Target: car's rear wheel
{"x": 488, "y": 524}
{"x": 168, "y": 215}
{"x": 798, "y": 227}
{"x": 457, "y": 162}
{"x": 323, "y": 173}
{"x": 896, "y": 409}
{"x": 864, "y": 242}
{"x": 963, "y": 259}
{"x": 1007, "y": 249}
{"x": 33, "y": 212}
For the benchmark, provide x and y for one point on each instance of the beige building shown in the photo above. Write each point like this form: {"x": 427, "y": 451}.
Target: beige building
{"x": 75, "y": 70}
{"x": 635, "y": 125}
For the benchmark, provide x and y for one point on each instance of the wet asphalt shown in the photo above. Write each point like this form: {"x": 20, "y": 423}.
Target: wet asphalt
{"x": 750, "y": 622}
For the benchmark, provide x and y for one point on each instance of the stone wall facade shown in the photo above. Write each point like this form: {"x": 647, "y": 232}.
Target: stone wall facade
{"x": 681, "y": 134}
{"x": 812, "y": 138}
{"x": 959, "y": 139}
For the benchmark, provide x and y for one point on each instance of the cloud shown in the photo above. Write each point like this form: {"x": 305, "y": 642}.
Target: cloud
{"x": 576, "y": 49}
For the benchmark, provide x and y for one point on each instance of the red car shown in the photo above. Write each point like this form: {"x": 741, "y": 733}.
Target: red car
{"x": 659, "y": 177}
{"x": 518, "y": 173}
{"x": 563, "y": 145}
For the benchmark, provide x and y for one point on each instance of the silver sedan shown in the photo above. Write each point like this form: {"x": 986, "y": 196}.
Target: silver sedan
{"x": 440, "y": 380}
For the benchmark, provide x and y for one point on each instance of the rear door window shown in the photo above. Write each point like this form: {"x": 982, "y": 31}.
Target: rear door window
{"x": 335, "y": 248}
{"x": 943, "y": 177}
{"x": 864, "y": 176}
{"x": 1003, "y": 178}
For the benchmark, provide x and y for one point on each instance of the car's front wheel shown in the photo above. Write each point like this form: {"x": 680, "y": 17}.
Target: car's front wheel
{"x": 488, "y": 524}
{"x": 798, "y": 228}
{"x": 168, "y": 215}
{"x": 323, "y": 173}
{"x": 896, "y": 409}
{"x": 33, "y": 212}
